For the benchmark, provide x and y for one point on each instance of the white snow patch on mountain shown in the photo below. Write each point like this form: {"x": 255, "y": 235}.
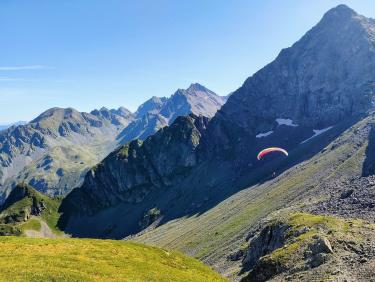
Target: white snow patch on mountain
{"x": 317, "y": 132}
{"x": 285, "y": 121}
{"x": 265, "y": 134}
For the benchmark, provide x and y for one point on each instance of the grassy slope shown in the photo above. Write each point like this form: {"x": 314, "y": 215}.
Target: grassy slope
{"x": 213, "y": 235}
{"x": 50, "y": 214}
{"x": 95, "y": 260}
{"x": 73, "y": 161}
{"x": 31, "y": 224}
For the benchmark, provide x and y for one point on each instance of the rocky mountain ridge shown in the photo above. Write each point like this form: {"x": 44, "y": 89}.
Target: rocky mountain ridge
{"x": 54, "y": 151}
{"x": 159, "y": 112}
{"x": 5, "y": 126}
{"x": 49, "y": 135}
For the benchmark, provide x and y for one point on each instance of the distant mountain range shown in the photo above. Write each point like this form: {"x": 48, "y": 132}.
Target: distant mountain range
{"x": 5, "y": 126}
{"x": 54, "y": 151}
{"x": 159, "y": 112}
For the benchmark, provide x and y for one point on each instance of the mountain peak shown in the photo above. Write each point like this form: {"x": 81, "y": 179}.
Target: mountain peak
{"x": 55, "y": 112}
{"x": 341, "y": 12}
{"x": 197, "y": 87}
{"x": 154, "y": 104}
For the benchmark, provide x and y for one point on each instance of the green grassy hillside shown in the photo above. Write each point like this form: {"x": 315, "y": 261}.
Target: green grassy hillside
{"x": 26, "y": 209}
{"x": 27, "y": 259}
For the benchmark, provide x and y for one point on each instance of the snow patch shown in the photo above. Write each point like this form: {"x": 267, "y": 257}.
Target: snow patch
{"x": 285, "y": 121}
{"x": 317, "y": 132}
{"x": 265, "y": 134}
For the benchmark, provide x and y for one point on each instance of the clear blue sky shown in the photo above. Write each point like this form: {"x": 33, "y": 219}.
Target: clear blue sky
{"x": 91, "y": 53}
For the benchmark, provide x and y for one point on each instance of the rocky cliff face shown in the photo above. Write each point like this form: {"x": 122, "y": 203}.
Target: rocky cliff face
{"x": 324, "y": 78}
{"x": 134, "y": 170}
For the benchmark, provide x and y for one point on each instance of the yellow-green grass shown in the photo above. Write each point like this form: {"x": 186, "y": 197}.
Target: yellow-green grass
{"x": 31, "y": 224}
{"x": 29, "y": 259}
{"x": 51, "y": 215}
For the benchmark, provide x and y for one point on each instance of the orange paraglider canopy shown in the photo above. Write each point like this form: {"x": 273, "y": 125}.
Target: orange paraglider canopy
{"x": 269, "y": 150}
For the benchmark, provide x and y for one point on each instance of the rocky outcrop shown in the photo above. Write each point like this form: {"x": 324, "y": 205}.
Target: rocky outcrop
{"x": 300, "y": 246}
{"x": 134, "y": 170}
{"x": 270, "y": 238}
{"x": 22, "y": 202}
{"x": 150, "y": 217}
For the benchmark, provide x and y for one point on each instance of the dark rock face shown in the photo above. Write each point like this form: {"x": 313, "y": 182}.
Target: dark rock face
{"x": 135, "y": 169}
{"x": 149, "y": 217}
{"x": 269, "y": 239}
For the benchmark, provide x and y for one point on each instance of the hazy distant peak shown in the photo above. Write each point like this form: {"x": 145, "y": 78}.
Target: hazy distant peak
{"x": 198, "y": 87}
{"x": 56, "y": 112}
{"x": 122, "y": 111}
{"x": 152, "y": 105}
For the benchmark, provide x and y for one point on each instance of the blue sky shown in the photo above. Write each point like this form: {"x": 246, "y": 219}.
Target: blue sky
{"x": 91, "y": 53}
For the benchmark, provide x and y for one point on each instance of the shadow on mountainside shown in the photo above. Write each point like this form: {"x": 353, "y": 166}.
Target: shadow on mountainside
{"x": 202, "y": 189}
{"x": 369, "y": 163}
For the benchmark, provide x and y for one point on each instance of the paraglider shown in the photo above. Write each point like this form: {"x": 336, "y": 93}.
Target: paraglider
{"x": 269, "y": 150}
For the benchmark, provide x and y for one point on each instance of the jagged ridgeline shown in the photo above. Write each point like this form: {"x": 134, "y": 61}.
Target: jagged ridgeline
{"x": 54, "y": 151}
{"x": 197, "y": 185}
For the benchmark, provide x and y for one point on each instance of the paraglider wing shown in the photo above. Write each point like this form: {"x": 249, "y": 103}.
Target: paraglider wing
{"x": 269, "y": 150}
